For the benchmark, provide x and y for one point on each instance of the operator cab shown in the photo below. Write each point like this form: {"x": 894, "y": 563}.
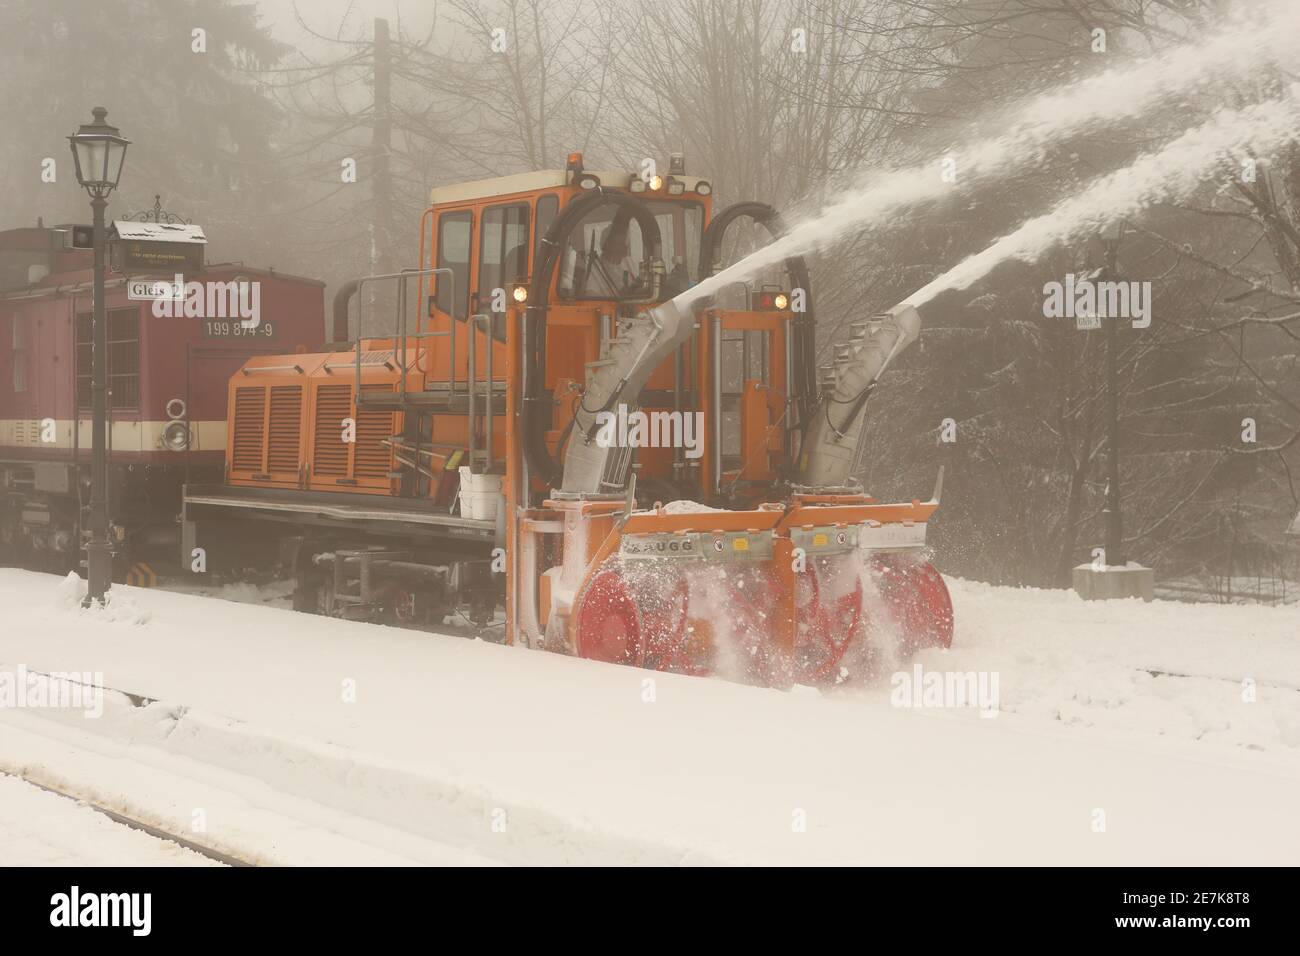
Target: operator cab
{"x": 488, "y": 236}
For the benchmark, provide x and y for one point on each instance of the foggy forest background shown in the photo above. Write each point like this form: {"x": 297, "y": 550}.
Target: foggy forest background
{"x": 247, "y": 140}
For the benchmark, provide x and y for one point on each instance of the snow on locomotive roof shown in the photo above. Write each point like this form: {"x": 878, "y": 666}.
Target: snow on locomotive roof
{"x": 530, "y": 182}
{"x": 159, "y": 231}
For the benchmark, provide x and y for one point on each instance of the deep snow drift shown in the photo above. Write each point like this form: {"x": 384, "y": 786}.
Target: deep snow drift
{"x": 1123, "y": 734}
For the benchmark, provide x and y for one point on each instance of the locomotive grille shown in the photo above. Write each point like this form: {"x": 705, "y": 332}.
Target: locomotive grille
{"x": 285, "y": 433}
{"x": 250, "y": 406}
{"x": 333, "y": 404}
{"x": 373, "y": 459}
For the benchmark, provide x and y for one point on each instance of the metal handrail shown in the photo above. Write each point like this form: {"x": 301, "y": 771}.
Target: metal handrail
{"x": 402, "y": 334}
{"x": 472, "y": 383}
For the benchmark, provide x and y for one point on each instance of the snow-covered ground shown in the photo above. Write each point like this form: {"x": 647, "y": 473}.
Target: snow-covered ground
{"x": 42, "y": 829}
{"x": 1124, "y": 733}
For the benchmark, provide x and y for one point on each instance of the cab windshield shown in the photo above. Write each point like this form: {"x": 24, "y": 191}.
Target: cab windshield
{"x": 604, "y": 257}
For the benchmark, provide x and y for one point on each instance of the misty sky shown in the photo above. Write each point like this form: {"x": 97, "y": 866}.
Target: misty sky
{"x": 324, "y": 16}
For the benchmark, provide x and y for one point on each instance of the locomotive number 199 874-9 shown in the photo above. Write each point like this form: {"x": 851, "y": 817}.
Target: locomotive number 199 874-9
{"x": 235, "y": 329}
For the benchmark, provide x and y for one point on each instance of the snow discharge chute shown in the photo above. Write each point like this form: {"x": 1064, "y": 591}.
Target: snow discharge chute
{"x": 832, "y": 444}
{"x": 637, "y": 348}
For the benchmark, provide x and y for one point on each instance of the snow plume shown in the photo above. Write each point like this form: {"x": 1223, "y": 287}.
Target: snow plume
{"x": 1262, "y": 36}
{"x": 1169, "y": 173}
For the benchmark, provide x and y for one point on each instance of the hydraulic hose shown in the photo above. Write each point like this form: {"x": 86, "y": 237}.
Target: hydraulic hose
{"x": 805, "y": 337}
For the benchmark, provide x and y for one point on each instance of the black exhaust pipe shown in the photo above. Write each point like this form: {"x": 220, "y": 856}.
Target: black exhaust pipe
{"x": 341, "y": 299}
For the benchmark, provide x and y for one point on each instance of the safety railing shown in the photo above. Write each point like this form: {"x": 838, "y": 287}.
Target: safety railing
{"x": 480, "y": 393}
{"x": 403, "y": 334}
{"x": 488, "y": 385}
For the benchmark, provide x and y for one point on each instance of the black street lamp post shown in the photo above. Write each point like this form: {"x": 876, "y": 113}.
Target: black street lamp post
{"x": 1114, "y": 522}
{"x": 99, "y": 152}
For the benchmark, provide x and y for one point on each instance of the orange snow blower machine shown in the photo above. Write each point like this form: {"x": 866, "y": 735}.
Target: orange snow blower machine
{"x": 574, "y": 436}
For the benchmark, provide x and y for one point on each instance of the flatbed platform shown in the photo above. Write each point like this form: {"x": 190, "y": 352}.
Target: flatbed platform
{"x": 336, "y": 510}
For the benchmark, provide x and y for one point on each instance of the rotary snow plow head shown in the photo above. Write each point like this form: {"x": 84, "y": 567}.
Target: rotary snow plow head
{"x": 820, "y": 590}
{"x": 825, "y": 587}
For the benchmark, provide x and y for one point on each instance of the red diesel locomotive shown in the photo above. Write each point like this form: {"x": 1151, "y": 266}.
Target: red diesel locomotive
{"x": 167, "y": 378}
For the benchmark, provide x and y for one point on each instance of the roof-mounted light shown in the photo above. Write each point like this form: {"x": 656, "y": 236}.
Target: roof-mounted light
{"x": 703, "y": 188}
{"x": 573, "y": 167}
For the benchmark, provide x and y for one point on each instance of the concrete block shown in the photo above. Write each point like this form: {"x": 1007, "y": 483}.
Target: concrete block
{"x": 1105, "y": 583}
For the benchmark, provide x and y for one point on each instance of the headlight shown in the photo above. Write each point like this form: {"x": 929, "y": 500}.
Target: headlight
{"x": 781, "y": 300}
{"x": 588, "y": 181}
{"x": 656, "y": 183}
{"x": 176, "y": 436}
{"x": 520, "y": 293}
{"x": 703, "y": 188}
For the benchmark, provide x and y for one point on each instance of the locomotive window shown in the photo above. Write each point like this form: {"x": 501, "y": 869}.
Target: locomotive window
{"x": 503, "y": 249}
{"x": 20, "y": 353}
{"x": 453, "y": 254}
{"x": 123, "y": 358}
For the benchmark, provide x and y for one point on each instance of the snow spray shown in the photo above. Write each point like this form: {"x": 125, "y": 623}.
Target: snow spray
{"x": 1168, "y": 173}
{"x": 1265, "y": 35}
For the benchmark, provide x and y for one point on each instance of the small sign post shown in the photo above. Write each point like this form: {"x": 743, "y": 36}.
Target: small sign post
{"x": 149, "y": 289}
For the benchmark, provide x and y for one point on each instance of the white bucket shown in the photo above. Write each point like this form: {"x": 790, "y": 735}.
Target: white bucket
{"x": 479, "y": 494}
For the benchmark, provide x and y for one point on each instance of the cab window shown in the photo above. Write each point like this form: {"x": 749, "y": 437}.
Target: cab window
{"x": 604, "y": 254}
{"x": 453, "y": 253}
{"x": 503, "y": 250}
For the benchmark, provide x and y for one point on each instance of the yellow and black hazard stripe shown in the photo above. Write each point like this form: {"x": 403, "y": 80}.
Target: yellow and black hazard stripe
{"x": 142, "y": 575}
